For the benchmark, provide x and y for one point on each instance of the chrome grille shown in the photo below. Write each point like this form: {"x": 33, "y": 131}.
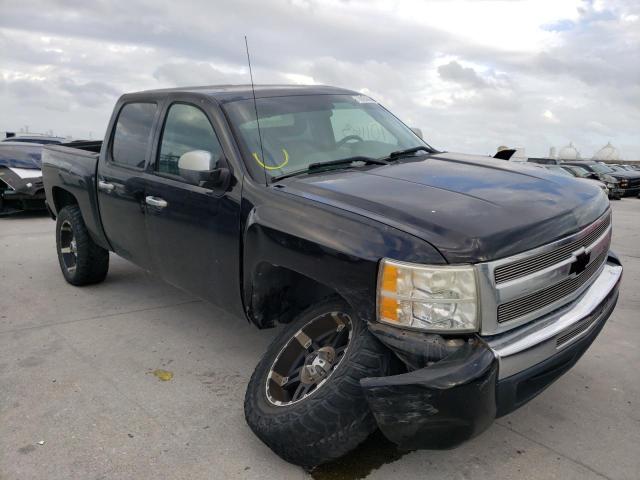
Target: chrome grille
{"x": 575, "y": 330}
{"x": 535, "y": 301}
{"x": 533, "y": 264}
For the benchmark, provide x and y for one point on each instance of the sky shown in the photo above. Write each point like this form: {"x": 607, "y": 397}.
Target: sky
{"x": 472, "y": 75}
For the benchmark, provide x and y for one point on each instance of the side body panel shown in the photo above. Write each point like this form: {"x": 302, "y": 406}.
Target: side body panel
{"x": 122, "y": 207}
{"x": 122, "y": 213}
{"x": 194, "y": 241}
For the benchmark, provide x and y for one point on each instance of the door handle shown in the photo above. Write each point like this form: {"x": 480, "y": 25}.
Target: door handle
{"x": 156, "y": 202}
{"x": 106, "y": 186}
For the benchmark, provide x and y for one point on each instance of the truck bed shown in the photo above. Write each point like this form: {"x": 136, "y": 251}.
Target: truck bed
{"x": 87, "y": 145}
{"x": 69, "y": 176}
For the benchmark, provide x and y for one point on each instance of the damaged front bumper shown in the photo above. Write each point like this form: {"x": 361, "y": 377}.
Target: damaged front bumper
{"x": 20, "y": 190}
{"x": 441, "y": 404}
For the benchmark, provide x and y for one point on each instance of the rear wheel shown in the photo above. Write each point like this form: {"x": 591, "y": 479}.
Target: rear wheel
{"x": 304, "y": 399}
{"x": 82, "y": 261}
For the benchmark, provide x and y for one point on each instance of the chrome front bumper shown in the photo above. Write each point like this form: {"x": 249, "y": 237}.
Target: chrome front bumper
{"x": 524, "y": 347}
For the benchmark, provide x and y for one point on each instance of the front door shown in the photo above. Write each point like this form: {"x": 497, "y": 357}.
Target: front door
{"x": 193, "y": 232}
{"x": 121, "y": 183}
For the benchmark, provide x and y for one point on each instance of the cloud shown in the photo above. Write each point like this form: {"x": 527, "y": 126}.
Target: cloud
{"x": 187, "y": 72}
{"x": 465, "y": 76}
{"x": 90, "y": 94}
{"x": 471, "y": 81}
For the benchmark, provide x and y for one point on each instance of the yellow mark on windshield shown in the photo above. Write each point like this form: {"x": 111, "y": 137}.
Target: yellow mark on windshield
{"x": 285, "y": 160}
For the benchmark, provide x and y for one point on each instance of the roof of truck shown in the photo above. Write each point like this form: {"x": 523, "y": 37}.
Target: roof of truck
{"x": 226, "y": 93}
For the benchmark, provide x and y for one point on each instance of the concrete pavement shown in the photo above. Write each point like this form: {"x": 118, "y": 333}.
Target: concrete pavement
{"x": 76, "y": 372}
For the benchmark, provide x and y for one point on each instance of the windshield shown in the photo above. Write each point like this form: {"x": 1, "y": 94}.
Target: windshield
{"x": 579, "y": 171}
{"x": 300, "y": 130}
{"x": 599, "y": 168}
{"x": 20, "y": 156}
{"x": 559, "y": 170}
{"x": 41, "y": 141}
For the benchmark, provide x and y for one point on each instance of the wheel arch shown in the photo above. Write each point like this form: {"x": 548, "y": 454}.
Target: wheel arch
{"x": 62, "y": 198}
{"x": 277, "y": 294}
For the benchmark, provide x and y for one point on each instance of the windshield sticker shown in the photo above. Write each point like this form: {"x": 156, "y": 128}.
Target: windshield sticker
{"x": 285, "y": 160}
{"x": 363, "y": 99}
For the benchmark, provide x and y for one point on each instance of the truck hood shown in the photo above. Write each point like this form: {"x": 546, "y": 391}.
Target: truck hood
{"x": 471, "y": 208}
{"x": 628, "y": 175}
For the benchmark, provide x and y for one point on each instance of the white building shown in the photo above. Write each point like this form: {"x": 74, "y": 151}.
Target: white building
{"x": 608, "y": 153}
{"x": 570, "y": 152}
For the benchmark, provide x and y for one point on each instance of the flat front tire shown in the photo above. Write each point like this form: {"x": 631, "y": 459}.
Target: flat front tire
{"x": 82, "y": 261}
{"x": 304, "y": 398}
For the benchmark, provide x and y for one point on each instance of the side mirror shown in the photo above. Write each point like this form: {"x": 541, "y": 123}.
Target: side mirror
{"x": 505, "y": 154}
{"x": 198, "y": 168}
{"x": 594, "y": 176}
{"x": 418, "y": 132}
{"x": 195, "y": 161}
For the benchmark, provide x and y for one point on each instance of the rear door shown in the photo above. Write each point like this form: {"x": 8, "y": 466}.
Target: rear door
{"x": 121, "y": 182}
{"x": 193, "y": 232}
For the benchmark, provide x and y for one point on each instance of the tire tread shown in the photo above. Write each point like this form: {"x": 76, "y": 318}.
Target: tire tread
{"x": 92, "y": 261}
{"x": 336, "y": 419}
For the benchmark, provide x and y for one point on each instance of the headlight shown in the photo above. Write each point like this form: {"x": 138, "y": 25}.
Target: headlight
{"x": 432, "y": 298}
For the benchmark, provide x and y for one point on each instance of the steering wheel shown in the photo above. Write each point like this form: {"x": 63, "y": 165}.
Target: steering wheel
{"x": 340, "y": 143}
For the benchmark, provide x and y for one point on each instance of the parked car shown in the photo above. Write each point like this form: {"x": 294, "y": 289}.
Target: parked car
{"x": 39, "y": 139}
{"x": 20, "y": 178}
{"x": 544, "y": 160}
{"x": 561, "y": 171}
{"x": 623, "y": 168}
{"x": 422, "y": 292}
{"x": 613, "y": 186}
{"x": 629, "y": 181}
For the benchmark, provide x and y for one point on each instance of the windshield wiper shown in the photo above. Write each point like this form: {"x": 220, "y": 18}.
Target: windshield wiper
{"x": 333, "y": 164}
{"x": 347, "y": 161}
{"x": 407, "y": 151}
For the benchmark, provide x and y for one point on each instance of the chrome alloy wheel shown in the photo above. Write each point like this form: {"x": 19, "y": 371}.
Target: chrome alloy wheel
{"x": 68, "y": 247}
{"x": 308, "y": 359}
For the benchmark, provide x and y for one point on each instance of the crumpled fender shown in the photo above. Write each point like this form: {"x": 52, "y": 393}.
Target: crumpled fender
{"x": 439, "y": 406}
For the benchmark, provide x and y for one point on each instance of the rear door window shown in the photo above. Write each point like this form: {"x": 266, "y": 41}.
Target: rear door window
{"x": 133, "y": 134}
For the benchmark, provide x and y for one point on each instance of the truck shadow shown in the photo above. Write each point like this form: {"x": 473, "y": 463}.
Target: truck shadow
{"x": 23, "y": 215}
{"x": 375, "y": 452}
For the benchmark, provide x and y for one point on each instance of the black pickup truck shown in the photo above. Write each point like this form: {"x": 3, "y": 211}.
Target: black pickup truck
{"x": 421, "y": 292}
{"x": 628, "y": 181}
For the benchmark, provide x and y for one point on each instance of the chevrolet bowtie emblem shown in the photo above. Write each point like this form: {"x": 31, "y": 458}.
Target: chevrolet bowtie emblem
{"x": 580, "y": 263}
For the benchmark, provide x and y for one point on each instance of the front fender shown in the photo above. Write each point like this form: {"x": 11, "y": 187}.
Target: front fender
{"x": 333, "y": 247}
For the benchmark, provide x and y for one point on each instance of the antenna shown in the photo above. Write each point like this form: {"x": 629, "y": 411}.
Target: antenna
{"x": 255, "y": 106}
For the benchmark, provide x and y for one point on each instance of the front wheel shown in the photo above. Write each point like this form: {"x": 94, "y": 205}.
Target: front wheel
{"x": 304, "y": 398}
{"x": 82, "y": 261}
